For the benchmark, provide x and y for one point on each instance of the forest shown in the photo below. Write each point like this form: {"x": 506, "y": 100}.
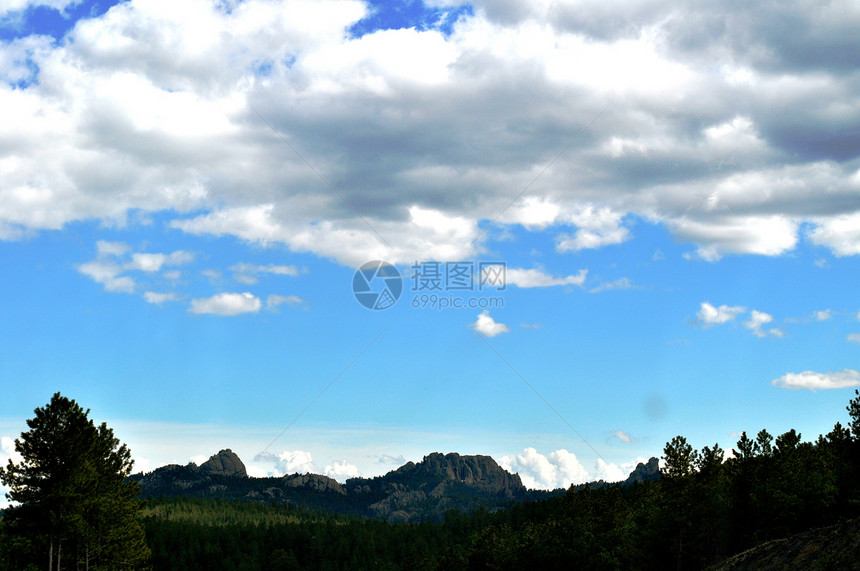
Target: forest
{"x": 703, "y": 509}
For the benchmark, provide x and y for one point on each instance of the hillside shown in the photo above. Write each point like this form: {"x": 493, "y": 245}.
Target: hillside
{"x": 834, "y": 547}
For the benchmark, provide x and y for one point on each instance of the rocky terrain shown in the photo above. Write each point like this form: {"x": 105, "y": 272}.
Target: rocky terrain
{"x": 835, "y": 547}
{"x": 413, "y": 492}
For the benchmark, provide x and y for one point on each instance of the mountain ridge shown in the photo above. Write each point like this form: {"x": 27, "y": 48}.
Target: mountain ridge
{"x": 415, "y": 491}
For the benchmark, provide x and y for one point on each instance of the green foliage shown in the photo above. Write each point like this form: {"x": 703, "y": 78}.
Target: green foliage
{"x": 680, "y": 458}
{"x": 701, "y": 511}
{"x": 74, "y": 504}
{"x": 854, "y": 413}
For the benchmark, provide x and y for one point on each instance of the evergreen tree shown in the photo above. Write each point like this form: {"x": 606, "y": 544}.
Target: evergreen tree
{"x": 854, "y": 412}
{"x": 74, "y": 503}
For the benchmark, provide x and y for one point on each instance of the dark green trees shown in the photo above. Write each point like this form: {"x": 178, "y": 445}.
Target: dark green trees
{"x": 75, "y": 509}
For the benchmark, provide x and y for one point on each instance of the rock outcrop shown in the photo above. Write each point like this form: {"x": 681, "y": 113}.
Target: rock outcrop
{"x": 315, "y": 482}
{"x": 225, "y": 463}
{"x": 439, "y": 482}
{"x": 644, "y": 472}
{"x": 480, "y": 473}
{"x": 834, "y": 547}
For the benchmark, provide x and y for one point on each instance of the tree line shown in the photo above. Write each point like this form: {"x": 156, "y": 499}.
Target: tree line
{"x": 703, "y": 509}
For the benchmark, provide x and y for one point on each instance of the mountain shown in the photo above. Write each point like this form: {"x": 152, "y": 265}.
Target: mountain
{"x": 225, "y": 463}
{"x": 644, "y": 472}
{"x": 414, "y": 492}
{"x": 438, "y": 483}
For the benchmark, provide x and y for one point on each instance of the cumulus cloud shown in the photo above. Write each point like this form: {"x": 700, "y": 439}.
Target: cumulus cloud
{"x": 854, "y": 337}
{"x": 559, "y": 469}
{"x": 341, "y": 470}
{"x": 159, "y": 115}
{"x": 299, "y": 462}
{"x": 153, "y": 262}
{"x": 486, "y": 325}
{"x": 226, "y": 304}
{"x": 112, "y": 261}
{"x": 708, "y": 315}
{"x": 812, "y": 380}
{"x": 108, "y": 274}
{"x": 609, "y": 472}
{"x": 598, "y": 227}
{"x": 623, "y": 436}
{"x": 756, "y": 322}
{"x": 287, "y": 462}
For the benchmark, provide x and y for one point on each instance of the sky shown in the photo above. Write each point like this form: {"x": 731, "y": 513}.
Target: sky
{"x": 602, "y": 225}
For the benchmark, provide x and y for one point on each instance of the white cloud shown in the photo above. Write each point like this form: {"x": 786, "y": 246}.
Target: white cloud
{"x": 598, "y": 227}
{"x": 841, "y": 234}
{"x": 619, "y": 284}
{"x": 623, "y": 436}
{"x": 824, "y": 315}
{"x": 142, "y": 465}
{"x": 341, "y": 470}
{"x": 398, "y": 460}
{"x": 854, "y": 337}
{"x": 295, "y": 462}
{"x": 247, "y": 273}
{"x": 7, "y": 447}
{"x": 7, "y": 6}
{"x": 609, "y": 472}
{"x": 266, "y": 464}
{"x": 154, "y": 262}
{"x": 274, "y": 300}
{"x": 812, "y": 380}
{"x": 709, "y": 315}
{"x": 537, "y": 278}
{"x": 717, "y": 236}
{"x": 7, "y": 452}
{"x": 147, "y": 108}
{"x": 486, "y": 325}
{"x": 227, "y": 304}
{"x": 559, "y": 469}
{"x": 108, "y": 274}
{"x": 108, "y": 267}
{"x": 755, "y": 322}
{"x": 116, "y": 249}
{"x": 159, "y": 298}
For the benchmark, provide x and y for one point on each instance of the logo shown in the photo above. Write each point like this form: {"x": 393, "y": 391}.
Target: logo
{"x": 377, "y": 285}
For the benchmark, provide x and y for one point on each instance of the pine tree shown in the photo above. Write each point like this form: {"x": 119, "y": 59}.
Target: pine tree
{"x": 74, "y": 502}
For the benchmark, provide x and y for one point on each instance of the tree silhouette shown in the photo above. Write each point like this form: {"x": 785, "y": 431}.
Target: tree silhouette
{"x": 74, "y": 505}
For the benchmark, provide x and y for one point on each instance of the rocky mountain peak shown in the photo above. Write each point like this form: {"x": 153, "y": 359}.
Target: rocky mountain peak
{"x": 225, "y": 463}
{"x": 645, "y": 472}
{"x": 479, "y": 472}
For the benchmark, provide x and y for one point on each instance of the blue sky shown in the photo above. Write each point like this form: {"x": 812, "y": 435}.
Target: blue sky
{"x": 186, "y": 193}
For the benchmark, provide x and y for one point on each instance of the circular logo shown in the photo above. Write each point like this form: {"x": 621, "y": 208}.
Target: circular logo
{"x": 377, "y": 285}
